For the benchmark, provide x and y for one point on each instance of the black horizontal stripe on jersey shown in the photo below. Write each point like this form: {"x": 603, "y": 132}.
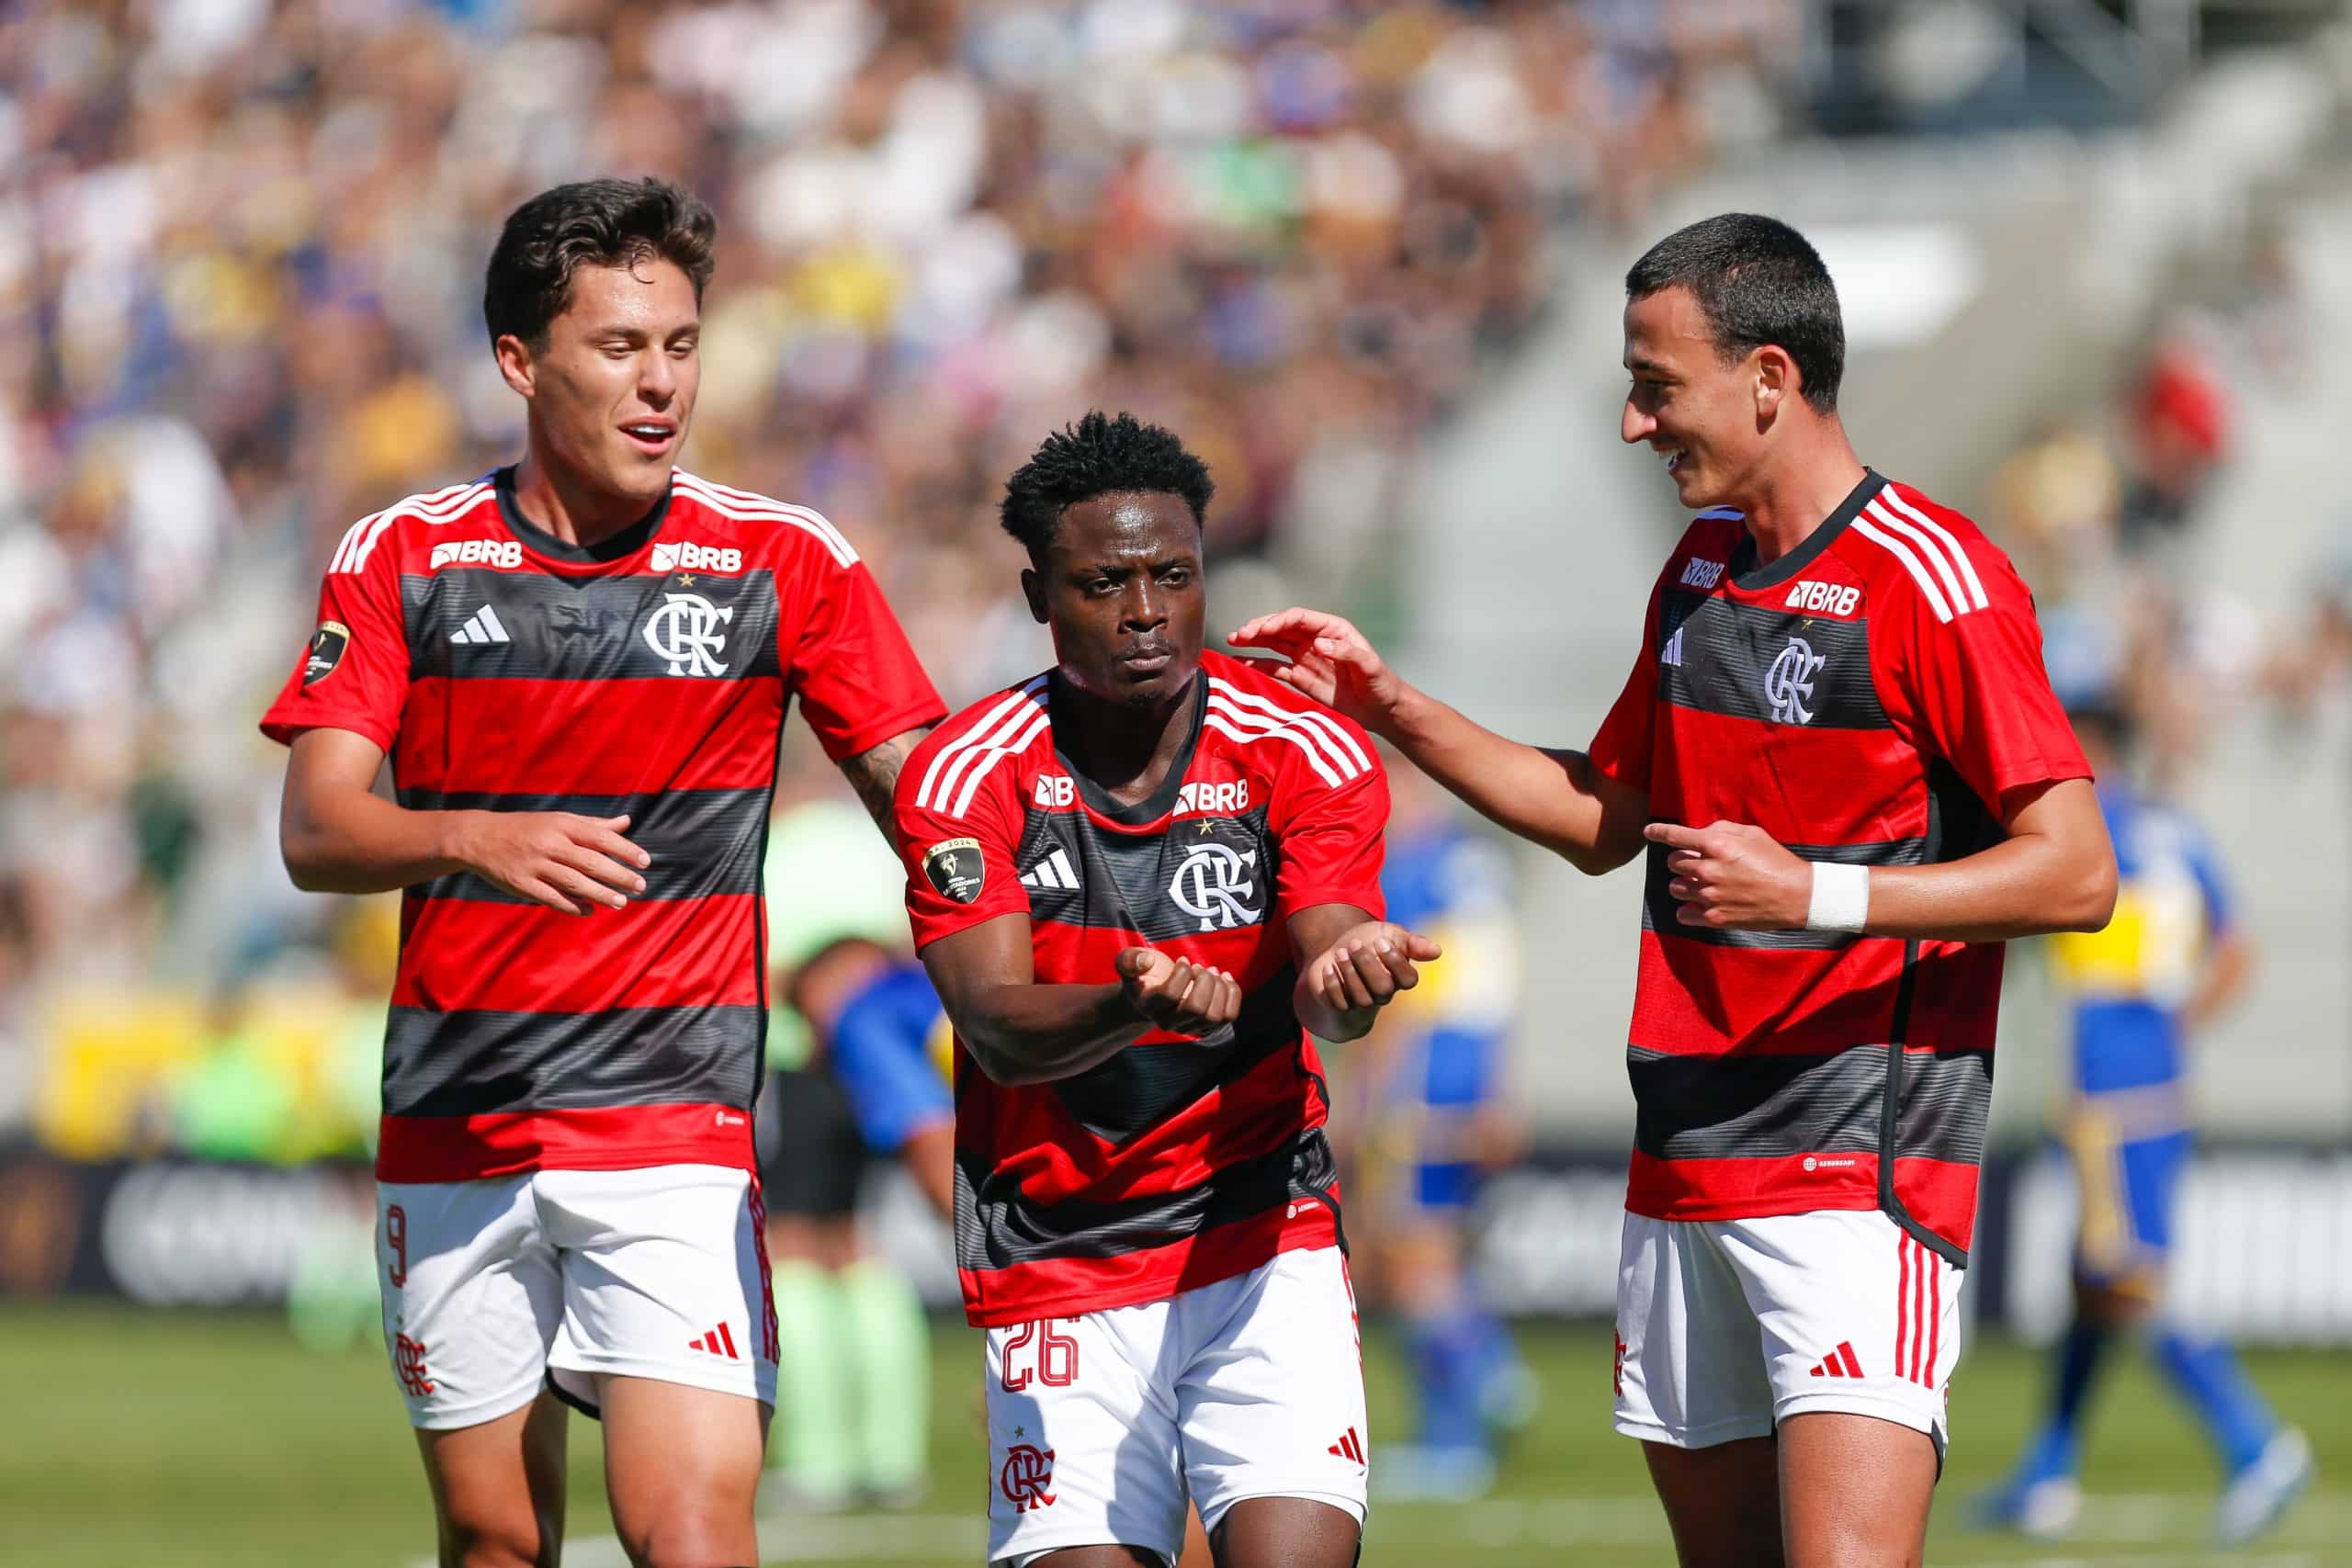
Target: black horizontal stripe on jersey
{"x": 997, "y": 1226}
{"x": 478, "y": 1063}
{"x": 1762, "y": 1107}
{"x": 1718, "y": 656}
{"x": 1144, "y": 882}
{"x": 589, "y": 628}
{"x": 1660, "y": 907}
{"x": 1139, "y": 1086}
{"x": 705, "y": 842}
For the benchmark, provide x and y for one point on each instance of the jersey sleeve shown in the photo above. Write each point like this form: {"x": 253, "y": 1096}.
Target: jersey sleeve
{"x": 1979, "y": 692}
{"x": 1330, "y": 843}
{"x": 1622, "y": 748}
{"x": 353, "y": 674}
{"x": 959, "y": 865}
{"x": 857, "y": 677}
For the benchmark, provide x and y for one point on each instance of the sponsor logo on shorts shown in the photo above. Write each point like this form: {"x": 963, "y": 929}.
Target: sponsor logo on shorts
{"x": 1839, "y": 1363}
{"x": 1350, "y": 1447}
{"x": 1027, "y": 1473}
{"x": 719, "y": 1342}
{"x": 408, "y": 1359}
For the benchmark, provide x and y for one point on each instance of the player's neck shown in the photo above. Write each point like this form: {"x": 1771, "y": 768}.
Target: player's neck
{"x": 1798, "y": 494}
{"x": 556, "y": 502}
{"x": 1123, "y": 751}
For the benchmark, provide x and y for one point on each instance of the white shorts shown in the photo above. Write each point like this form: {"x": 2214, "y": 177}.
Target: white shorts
{"x": 496, "y": 1288}
{"x": 1100, "y": 1425}
{"x": 1727, "y": 1327}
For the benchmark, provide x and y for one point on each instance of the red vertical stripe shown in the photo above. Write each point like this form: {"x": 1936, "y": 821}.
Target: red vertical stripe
{"x": 1936, "y": 1318}
{"x": 1853, "y": 1368}
{"x": 726, "y": 1335}
{"x": 1919, "y": 1307}
{"x": 1902, "y": 1297}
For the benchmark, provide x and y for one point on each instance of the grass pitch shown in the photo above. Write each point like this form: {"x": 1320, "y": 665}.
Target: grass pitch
{"x": 190, "y": 1441}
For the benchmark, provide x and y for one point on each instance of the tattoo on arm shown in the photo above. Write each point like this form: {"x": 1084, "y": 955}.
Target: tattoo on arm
{"x": 875, "y": 774}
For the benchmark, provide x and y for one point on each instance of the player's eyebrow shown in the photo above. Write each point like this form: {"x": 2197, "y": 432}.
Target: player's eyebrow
{"x": 1647, "y": 367}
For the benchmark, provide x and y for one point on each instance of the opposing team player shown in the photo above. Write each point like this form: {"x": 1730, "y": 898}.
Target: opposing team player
{"x": 2171, "y": 961}
{"x": 1133, "y": 878}
{"x": 1840, "y": 752}
{"x": 579, "y": 667}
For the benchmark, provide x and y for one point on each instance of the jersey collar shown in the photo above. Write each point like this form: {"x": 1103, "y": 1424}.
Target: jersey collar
{"x": 629, "y": 541}
{"x": 1161, "y": 801}
{"x": 1747, "y": 576}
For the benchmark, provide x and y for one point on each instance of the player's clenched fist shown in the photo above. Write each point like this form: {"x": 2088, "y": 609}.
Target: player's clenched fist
{"x": 554, "y": 858}
{"x": 1366, "y": 967}
{"x": 1176, "y": 994}
{"x": 1329, "y": 661}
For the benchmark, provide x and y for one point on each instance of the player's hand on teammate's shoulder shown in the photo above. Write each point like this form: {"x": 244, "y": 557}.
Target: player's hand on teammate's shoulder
{"x": 1367, "y": 966}
{"x": 1176, "y": 994}
{"x": 565, "y": 861}
{"x": 1733, "y": 876}
{"x": 1329, "y": 661}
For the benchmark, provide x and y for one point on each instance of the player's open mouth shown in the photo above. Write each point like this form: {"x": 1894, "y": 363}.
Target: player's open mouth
{"x": 1672, "y": 457}
{"x": 652, "y": 435}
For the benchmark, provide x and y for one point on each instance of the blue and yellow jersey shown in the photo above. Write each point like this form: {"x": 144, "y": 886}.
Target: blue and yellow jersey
{"x": 2126, "y": 985}
{"x": 889, "y": 1053}
{"x": 1453, "y": 883}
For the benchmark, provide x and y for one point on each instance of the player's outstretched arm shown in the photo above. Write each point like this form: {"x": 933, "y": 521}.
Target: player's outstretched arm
{"x": 1022, "y": 1032}
{"x": 1556, "y": 799}
{"x": 1349, "y": 966}
{"x": 338, "y": 836}
{"x": 2054, "y": 871}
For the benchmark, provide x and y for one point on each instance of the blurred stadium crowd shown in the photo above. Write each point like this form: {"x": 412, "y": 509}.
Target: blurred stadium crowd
{"x": 241, "y": 247}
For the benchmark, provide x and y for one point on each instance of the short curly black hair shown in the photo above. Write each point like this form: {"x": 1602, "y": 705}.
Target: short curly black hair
{"x": 1098, "y": 455}
{"x": 591, "y": 223}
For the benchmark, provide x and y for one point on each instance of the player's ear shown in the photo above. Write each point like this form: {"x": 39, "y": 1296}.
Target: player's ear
{"x": 1033, "y": 587}
{"x": 514, "y": 363}
{"x": 1776, "y": 379}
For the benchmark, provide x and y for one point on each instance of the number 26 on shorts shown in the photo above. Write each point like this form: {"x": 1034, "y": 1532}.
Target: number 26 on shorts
{"x": 1055, "y": 1362}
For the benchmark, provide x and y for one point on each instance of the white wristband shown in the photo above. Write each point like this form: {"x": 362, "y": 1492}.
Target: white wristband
{"x": 1841, "y": 898}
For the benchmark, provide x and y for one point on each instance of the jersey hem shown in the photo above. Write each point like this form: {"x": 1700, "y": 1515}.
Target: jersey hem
{"x": 1306, "y": 1231}
{"x": 481, "y": 1148}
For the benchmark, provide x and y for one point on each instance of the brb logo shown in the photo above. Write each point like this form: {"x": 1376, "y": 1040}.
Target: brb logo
{"x": 685, "y": 631}
{"x": 1788, "y": 685}
{"x": 408, "y": 1359}
{"x": 505, "y": 554}
{"x": 1027, "y": 1473}
{"x": 687, "y": 555}
{"x": 1212, "y": 884}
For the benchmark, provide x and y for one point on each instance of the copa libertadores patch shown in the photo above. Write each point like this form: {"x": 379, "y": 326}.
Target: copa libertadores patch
{"x": 956, "y": 868}
{"x": 326, "y": 651}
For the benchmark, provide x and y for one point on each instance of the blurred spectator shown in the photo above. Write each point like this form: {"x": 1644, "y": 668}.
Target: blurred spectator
{"x": 240, "y": 260}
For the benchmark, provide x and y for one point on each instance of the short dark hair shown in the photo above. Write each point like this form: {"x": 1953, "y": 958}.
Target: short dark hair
{"x": 1756, "y": 281}
{"x": 1098, "y": 455}
{"x": 594, "y": 224}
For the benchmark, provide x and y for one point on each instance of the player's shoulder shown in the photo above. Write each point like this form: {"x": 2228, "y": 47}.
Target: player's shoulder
{"x": 425, "y": 524}
{"x": 707, "y": 514}
{"x": 973, "y": 746}
{"x": 1911, "y": 550}
{"x": 1280, "y": 731}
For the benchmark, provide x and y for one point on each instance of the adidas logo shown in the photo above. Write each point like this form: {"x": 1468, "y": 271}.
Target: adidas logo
{"x": 717, "y": 1342}
{"x": 1839, "y": 1363}
{"x": 483, "y": 625}
{"x": 1350, "y": 1447}
{"x": 1672, "y": 652}
{"x": 1054, "y": 870}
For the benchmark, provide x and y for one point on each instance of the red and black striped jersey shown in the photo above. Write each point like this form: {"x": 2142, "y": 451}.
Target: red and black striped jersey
{"x": 1872, "y": 697}
{"x": 1181, "y": 1160}
{"x": 504, "y": 669}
